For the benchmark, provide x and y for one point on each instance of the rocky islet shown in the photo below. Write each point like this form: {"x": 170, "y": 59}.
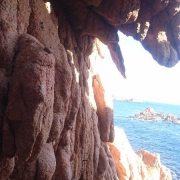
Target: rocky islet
{"x": 150, "y": 115}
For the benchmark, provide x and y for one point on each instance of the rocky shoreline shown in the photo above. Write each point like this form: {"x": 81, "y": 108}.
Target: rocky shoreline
{"x": 142, "y": 165}
{"x": 150, "y": 115}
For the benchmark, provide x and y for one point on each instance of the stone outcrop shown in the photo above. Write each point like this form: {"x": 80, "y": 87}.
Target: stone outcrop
{"x": 141, "y": 166}
{"x": 150, "y": 115}
{"x": 55, "y": 117}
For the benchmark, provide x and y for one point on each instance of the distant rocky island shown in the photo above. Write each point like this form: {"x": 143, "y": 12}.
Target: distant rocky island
{"x": 150, "y": 115}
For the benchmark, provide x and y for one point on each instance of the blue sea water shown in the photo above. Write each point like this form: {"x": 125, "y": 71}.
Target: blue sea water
{"x": 156, "y": 137}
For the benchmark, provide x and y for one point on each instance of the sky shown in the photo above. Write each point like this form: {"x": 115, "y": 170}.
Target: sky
{"x": 146, "y": 79}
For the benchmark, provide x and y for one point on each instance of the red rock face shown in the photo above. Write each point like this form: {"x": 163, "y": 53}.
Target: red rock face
{"x": 55, "y": 119}
{"x": 104, "y": 111}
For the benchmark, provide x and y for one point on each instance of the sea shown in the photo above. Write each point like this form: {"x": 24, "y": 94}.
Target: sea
{"x": 154, "y": 136}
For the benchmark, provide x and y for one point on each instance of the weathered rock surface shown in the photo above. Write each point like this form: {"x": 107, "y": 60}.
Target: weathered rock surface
{"x": 6, "y": 167}
{"x": 55, "y": 117}
{"x": 31, "y": 98}
{"x": 155, "y": 24}
{"x": 141, "y": 166}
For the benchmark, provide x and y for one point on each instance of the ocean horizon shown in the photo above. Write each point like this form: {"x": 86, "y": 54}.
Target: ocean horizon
{"x": 159, "y": 137}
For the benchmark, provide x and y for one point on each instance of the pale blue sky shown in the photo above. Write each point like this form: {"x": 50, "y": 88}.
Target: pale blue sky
{"x": 151, "y": 81}
{"x": 146, "y": 79}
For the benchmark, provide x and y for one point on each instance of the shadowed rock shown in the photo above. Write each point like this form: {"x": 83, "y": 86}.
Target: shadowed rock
{"x": 31, "y": 98}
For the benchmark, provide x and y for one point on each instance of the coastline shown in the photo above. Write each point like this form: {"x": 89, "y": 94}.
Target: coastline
{"x": 141, "y": 165}
{"x": 161, "y": 137}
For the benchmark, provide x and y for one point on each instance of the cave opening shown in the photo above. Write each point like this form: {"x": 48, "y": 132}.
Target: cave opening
{"x": 56, "y": 115}
{"x": 147, "y": 103}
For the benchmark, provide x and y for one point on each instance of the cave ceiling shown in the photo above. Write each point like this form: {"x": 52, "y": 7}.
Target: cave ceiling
{"x": 156, "y": 24}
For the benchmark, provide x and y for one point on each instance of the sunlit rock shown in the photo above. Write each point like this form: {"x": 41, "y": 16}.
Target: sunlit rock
{"x": 141, "y": 166}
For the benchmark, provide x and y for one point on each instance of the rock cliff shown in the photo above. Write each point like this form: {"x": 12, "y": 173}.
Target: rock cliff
{"x": 55, "y": 117}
